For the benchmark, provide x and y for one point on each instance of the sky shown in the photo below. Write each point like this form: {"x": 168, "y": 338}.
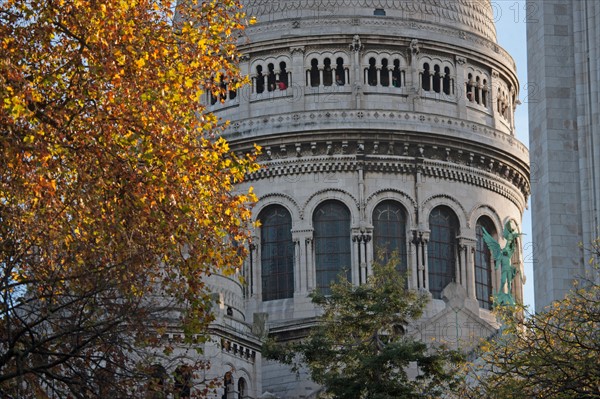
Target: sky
{"x": 510, "y": 17}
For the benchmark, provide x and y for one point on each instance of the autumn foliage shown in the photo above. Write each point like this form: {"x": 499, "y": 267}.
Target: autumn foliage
{"x": 115, "y": 187}
{"x": 553, "y": 354}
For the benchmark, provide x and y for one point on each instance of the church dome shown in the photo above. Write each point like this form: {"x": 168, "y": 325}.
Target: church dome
{"x": 474, "y": 16}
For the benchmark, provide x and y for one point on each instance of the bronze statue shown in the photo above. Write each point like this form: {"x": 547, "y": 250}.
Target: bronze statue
{"x": 503, "y": 256}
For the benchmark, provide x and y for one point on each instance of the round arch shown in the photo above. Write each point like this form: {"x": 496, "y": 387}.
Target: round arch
{"x": 446, "y": 200}
{"x": 276, "y": 199}
{"x": 399, "y": 196}
{"x": 331, "y": 194}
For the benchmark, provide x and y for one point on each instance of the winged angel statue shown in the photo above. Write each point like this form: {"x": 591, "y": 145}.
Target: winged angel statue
{"x": 503, "y": 257}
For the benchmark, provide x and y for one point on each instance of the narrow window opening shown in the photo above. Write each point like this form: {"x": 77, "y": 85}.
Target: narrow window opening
{"x": 340, "y": 73}
{"x": 436, "y": 78}
{"x": 446, "y": 83}
{"x": 232, "y": 92}
{"x": 483, "y": 264}
{"x": 315, "y": 80}
{"x": 425, "y": 78}
{"x": 477, "y": 87}
{"x": 372, "y": 73}
{"x": 327, "y": 73}
{"x": 484, "y": 94}
{"x": 385, "y": 73}
{"x": 283, "y": 75}
{"x": 470, "y": 88}
{"x": 271, "y": 78}
{"x": 260, "y": 80}
{"x": 396, "y": 74}
{"x": 222, "y": 89}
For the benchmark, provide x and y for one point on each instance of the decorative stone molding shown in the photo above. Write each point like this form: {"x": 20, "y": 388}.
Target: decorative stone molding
{"x": 476, "y": 15}
{"x": 356, "y": 45}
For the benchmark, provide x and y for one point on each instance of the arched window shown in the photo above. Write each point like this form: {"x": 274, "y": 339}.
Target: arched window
{"x": 283, "y": 75}
{"x": 446, "y": 83}
{"x": 276, "y": 253}
{"x": 340, "y": 72}
{"x": 477, "y": 86}
{"x": 483, "y": 263}
{"x": 470, "y": 87}
{"x": 183, "y": 381}
{"x": 484, "y": 94}
{"x": 327, "y": 73}
{"x": 222, "y": 88}
{"x": 436, "y": 78}
{"x": 396, "y": 74}
{"x": 271, "y": 78}
{"x": 157, "y": 381}
{"x": 425, "y": 78}
{"x": 372, "y": 73}
{"x": 389, "y": 231}
{"x": 441, "y": 249}
{"x": 315, "y": 79}
{"x": 260, "y": 80}
{"x": 232, "y": 92}
{"x": 242, "y": 388}
{"x": 384, "y": 74}
{"x": 331, "y": 223}
{"x": 228, "y": 384}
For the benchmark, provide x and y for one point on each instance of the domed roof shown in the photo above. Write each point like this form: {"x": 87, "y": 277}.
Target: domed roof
{"x": 475, "y": 16}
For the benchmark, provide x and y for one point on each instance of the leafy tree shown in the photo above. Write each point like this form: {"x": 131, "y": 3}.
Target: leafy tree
{"x": 553, "y": 354}
{"x": 360, "y": 347}
{"x": 115, "y": 192}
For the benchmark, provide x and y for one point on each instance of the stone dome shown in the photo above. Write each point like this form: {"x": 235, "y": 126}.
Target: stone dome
{"x": 474, "y": 16}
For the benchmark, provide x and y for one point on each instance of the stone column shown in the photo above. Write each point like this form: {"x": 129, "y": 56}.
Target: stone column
{"x": 425, "y": 265}
{"x": 495, "y": 85}
{"x": 461, "y": 98}
{"x": 299, "y": 270}
{"x": 297, "y": 85}
{"x": 415, "y": 260}
{"x": 469, "y": 245}
{"x": 310, "y": 263}
{"x": 252, "y": 261}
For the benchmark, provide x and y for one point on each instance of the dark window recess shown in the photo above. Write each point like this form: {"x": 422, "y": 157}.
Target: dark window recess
{"x": 277, "y": 253}
{"x": 327, "y": 73}
{"x": 372, "y": 73}
{"x": 331, "y": 223}
{"x": 441, "y": 249}
{"x": 271, "y": 78}
{"x": 340, "y": 73}
{"x": 315, "y": 79}
{"x": 425, "y": 78}
{"x": 260, "y": 80}
{"x": 389, "y": 232}
{"x": 483, "y": 263}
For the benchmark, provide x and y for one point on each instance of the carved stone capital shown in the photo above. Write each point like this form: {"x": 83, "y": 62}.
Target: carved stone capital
{"x": 297, "y": 50}
{"x": 356, "y": 45}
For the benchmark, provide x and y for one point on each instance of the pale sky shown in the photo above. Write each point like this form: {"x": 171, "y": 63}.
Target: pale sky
{"x": 510, "y": 18}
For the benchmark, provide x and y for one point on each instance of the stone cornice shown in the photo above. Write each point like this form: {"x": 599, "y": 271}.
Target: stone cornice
{"x": 505, "y": 181}
{"x": 252, "y": 129}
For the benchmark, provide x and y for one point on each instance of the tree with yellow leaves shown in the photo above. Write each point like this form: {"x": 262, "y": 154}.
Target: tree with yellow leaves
{"x": 115, "y": 189}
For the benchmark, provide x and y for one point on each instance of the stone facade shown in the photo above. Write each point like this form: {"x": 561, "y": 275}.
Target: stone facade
{"x": 563, "y": 41}
{"x": 368, "y": 109}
